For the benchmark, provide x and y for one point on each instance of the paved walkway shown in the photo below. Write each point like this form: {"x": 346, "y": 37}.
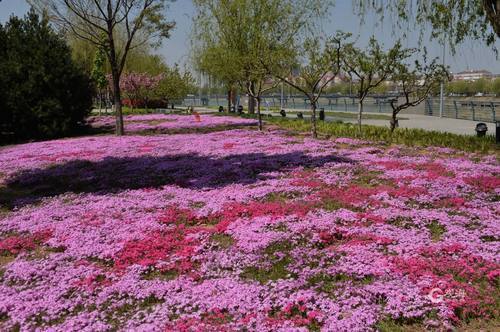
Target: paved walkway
{"x": 450, "y": 125}
{"x": 455, "y": 126}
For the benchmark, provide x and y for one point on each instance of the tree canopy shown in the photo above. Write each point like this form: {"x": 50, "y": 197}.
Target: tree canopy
{"x": 137, "y": 22}
{"x": 371, "y": 66}
{"x": 450, "y": 20}
{"x": 239, "y": 42}
{"x": 43, "y": 93}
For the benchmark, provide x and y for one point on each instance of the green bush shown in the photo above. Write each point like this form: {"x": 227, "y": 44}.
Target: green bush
{"x": 43, "y": 94}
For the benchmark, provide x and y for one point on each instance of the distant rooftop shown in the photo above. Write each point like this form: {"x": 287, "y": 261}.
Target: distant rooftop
{"x": 480, "y": 71}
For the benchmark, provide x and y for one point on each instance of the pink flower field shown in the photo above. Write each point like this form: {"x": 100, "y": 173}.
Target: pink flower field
{"x": 165, "y": 123}
{"x": 239, "y": 230}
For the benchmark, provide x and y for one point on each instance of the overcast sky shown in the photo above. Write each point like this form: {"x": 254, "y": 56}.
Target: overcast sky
{"x": 471, "y": 55}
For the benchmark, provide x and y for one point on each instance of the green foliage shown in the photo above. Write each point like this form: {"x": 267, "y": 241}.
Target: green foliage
{"x": 321, "y": 63}
{"x": 406, "y": 136}
{"x": 372, "y": 66}
{"x": 436, "y": 229}
{"x": 98, "y": 74}
{"x": 415, "y": 83}
{"x": 471, "y": 88}
{"x": 453, "y": 21}
{"x": 222, "y": 240}
{"x": 117, "y": 27}
{"x": 175, "y": 85}
{"x": 241, "y": 41}
{"x": 43, "y": 94}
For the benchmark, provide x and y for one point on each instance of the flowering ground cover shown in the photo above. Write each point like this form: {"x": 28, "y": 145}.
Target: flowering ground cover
{"x": 163, "y": 123}
{"x": 239, "y": 230}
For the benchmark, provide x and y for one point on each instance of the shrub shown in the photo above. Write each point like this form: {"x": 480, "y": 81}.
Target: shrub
{"x": 43, "y": 94}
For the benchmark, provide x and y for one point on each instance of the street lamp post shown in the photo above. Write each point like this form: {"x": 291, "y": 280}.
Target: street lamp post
{"x": 441, "y": 88}
{"x": 281, "y": 98}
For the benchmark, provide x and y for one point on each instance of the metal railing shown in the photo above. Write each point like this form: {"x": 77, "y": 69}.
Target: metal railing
{"x": 344, "y": 103}
{"x": 475, "y": 110}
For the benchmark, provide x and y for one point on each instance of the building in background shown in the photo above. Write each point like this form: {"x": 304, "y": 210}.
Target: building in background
{"x": 473, "y": 75}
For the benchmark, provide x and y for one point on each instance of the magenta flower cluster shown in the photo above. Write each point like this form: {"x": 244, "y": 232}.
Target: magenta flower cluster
{"x": 240, "y": 230}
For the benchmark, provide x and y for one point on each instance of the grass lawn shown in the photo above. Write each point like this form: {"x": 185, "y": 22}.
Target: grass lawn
{"x": 206, "y": 224}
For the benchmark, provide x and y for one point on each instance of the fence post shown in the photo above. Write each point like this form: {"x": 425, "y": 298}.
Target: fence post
{"x": 345, "y": 103}
{"x": 456, "y": 109}
{"x": 428, "y": 104}
{"x": 493, "y": 112}
{"x": 473, "y": 111}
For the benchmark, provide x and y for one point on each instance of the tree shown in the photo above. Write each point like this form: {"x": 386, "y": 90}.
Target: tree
{"x": 99, "y": 76}
{"x": 371, "y": 67}
{"x": 137, "y": 22}
{"x": 139, "y": 87}
{"x": 43, "y": 93}
{"x": 321, "y": 64}
{"x": 496, "y": 86}
{"x": 480, "y": 86}
{"x": 451, "y": 20}
{"x": 415, "y": 84}
{"x": 241, "y": 41}
{"x": 174, "y": 86}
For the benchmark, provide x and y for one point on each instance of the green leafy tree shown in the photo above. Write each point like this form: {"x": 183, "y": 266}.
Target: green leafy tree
{"x": 241, "y": 41}
{"x": 99, "y": 76}
{"x": 415, "y": 83}
{"x": 126, "y": 25}
{"x": 496, "y": 86}
{"x": 451, "y": 20}
{"x": 481, "y": 86}
{"x": 43, "y": 94}
{"x": 174, "y": 86}
{"x": 371, "y": 67}
{"x": 321, "y": 62}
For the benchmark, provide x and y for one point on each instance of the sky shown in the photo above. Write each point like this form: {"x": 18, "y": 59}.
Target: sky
{"x": 469, "y": 56}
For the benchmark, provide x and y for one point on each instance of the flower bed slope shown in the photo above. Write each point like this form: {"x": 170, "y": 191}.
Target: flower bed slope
{"x": 237, "y": 230}
{"x": 168, "y": 122}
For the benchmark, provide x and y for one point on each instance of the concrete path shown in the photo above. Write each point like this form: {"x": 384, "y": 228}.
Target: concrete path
{"x": 450, "y": 125}
{"x": 455, "y": 126}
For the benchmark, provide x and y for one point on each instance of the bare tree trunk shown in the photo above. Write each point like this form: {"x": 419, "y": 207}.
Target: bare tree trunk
{"x": 233, "y": 98}
{"x": 251, "y": 105}
{"x": 106, "y": 100}
{"x": 118, "y": 101}
{"x": 100, "y": 101}
{"x": 229, "y": 96}
{"x": 259, "y": 115}
{"x": 393, "y": 121}
{"x": 251, "y": 99}
{"x": 360, "y": 114}
{"x": 313, "y": 120}
{"x": 115, "y": 74}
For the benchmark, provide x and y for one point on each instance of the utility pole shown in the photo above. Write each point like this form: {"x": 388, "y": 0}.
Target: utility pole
{"x": 441, "y": 88}
{"x": 281, "y": 98}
